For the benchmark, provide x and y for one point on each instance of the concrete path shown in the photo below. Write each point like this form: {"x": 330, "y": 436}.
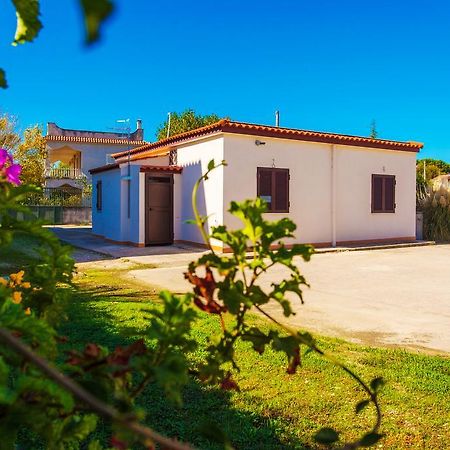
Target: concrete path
{"x": 81, "y": 237}
{"x": 398, "y": 297}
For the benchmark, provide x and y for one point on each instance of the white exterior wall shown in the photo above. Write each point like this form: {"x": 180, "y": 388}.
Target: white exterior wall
{"x": 309, "y": 167}
{"x": 131, "y": 223}
{"x": 311, "y": 187}
{"x": 112, "y": 222}
{"x": 354, "y": 169}
{"x": 194, "y": 159}
{"x": 107, "y": 221}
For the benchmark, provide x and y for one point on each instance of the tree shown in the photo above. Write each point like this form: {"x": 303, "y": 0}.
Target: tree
{"x": 31, "y": 154}
{"x": 9, "y": 138}
{"x": 185, "y": 121}
{"x": 373, "y": 130}
{"x": 29, "y": 24}
{"x": 433, "y": 168}
{"x": 29, "y": 151}
{"x": 442, "y": 166}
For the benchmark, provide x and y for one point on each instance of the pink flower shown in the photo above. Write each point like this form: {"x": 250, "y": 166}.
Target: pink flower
{"x": 13, "y": 173}
{"x": 4, "y": 157}
{"x": 8, "y": 169}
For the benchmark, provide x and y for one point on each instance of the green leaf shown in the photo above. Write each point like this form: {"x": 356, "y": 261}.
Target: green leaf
{"x": 95, "y": 445}
{"x": 3, "y": 82}
{"x": 370, "y": 439}
{"x": 95, "y": 12}
{"x": 211, "y": 165}
{"x": 361, "y": 405}
{"x": 376, "y": 384}
{"x": 326, "y": 436}
{"x": 258, "y": 339}
{"x": 28, "y": 23}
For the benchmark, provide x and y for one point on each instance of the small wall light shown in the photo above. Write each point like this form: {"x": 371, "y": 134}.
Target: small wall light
{"x": 258, "y": 142}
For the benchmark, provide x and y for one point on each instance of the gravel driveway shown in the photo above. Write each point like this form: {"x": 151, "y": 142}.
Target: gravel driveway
{"x": 398, "y": 297}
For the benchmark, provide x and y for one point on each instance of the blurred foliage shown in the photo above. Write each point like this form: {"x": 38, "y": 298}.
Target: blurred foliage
{"x": 29, "y": 23}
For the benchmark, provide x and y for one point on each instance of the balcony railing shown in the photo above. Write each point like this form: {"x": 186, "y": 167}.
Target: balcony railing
{"x": 65, "y": 172}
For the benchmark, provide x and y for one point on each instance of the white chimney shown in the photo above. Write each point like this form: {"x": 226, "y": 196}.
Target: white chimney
{"x": 139, "y": 124}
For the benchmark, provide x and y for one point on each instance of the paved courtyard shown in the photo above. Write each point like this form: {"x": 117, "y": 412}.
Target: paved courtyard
{"x": 387, "y": 297}
{"x": 397, "y": 296}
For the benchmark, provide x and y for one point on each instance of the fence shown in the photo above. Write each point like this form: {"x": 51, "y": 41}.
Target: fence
{"x": 57, "y": 215}
{"x": 59, "y": 197}
{"x": 65, "y": 172}
{"x": 59, "y": 206}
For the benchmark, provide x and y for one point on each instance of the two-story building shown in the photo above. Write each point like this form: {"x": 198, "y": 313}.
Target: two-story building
{"x": 72, "y": 153}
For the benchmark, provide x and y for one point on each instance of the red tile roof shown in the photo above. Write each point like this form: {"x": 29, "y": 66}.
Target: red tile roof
{"x": 172, "y": 169}
{"x": 92, "y": 140}
{"x": 228, "y": 126}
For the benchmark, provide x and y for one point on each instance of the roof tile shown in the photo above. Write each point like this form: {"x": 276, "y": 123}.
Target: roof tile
{"x": 227, "y": 126}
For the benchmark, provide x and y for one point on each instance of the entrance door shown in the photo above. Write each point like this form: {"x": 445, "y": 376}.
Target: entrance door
{"x": 158, "y": 209}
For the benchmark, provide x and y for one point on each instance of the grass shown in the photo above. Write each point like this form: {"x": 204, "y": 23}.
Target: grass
{"x": 273, "y": 410}
{"x": 18, "y": 255}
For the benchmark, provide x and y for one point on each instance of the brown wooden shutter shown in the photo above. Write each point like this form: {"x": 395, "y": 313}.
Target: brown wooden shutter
{"x": 389, "y": 194}
{"x": 265, "y": 185}
{"x": 99, "y": 195}
{"x": 377, "y": 193}
{"x": 281, "y": 194}
{"x": 383, "y": 193}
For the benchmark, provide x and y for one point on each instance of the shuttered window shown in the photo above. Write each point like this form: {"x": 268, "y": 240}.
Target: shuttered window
{"x": 99, "y": 195}
{"x": 273, "y": 187}
{"x": 383, "y": 193}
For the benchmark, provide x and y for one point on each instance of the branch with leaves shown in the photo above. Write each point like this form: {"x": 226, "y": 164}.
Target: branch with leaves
{"x": 228, "y": 285}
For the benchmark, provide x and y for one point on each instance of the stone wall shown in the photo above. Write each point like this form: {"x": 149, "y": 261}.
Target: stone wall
{"x": 59, "y": 215}
{"x": 76, "y": 215}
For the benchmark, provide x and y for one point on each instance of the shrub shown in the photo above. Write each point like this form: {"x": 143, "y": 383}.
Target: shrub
{"x": 436, "y": 214}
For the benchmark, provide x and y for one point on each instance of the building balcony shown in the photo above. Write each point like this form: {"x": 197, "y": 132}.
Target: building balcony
{"x": 68, "y": 173}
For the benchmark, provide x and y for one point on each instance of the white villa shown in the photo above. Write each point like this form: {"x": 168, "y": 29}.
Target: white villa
{"x": 339, "y": 189}
{"x": 72, "y": 153}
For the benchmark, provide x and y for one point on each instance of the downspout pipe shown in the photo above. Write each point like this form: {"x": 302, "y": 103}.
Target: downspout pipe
{"x": 333, "y": 196}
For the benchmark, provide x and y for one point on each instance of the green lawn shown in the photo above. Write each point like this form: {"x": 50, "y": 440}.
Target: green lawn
{"x": 18, "y": 255}
{"x": 274, "y": 410}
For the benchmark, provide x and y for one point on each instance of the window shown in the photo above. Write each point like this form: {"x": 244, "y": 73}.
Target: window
{"x": 99, "y": 195}
{"x": 383, "y": 193}
{"x": 273, "y": 187}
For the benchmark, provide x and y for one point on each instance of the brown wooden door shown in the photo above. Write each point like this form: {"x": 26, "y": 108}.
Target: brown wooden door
{"x": 158, "y": 209}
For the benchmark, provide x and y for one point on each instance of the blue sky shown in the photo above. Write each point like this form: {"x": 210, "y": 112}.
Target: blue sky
{"x": 326, "y": 65}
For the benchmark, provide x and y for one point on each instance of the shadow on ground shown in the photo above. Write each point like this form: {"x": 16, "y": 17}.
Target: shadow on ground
{"x": 90, "y": 321}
